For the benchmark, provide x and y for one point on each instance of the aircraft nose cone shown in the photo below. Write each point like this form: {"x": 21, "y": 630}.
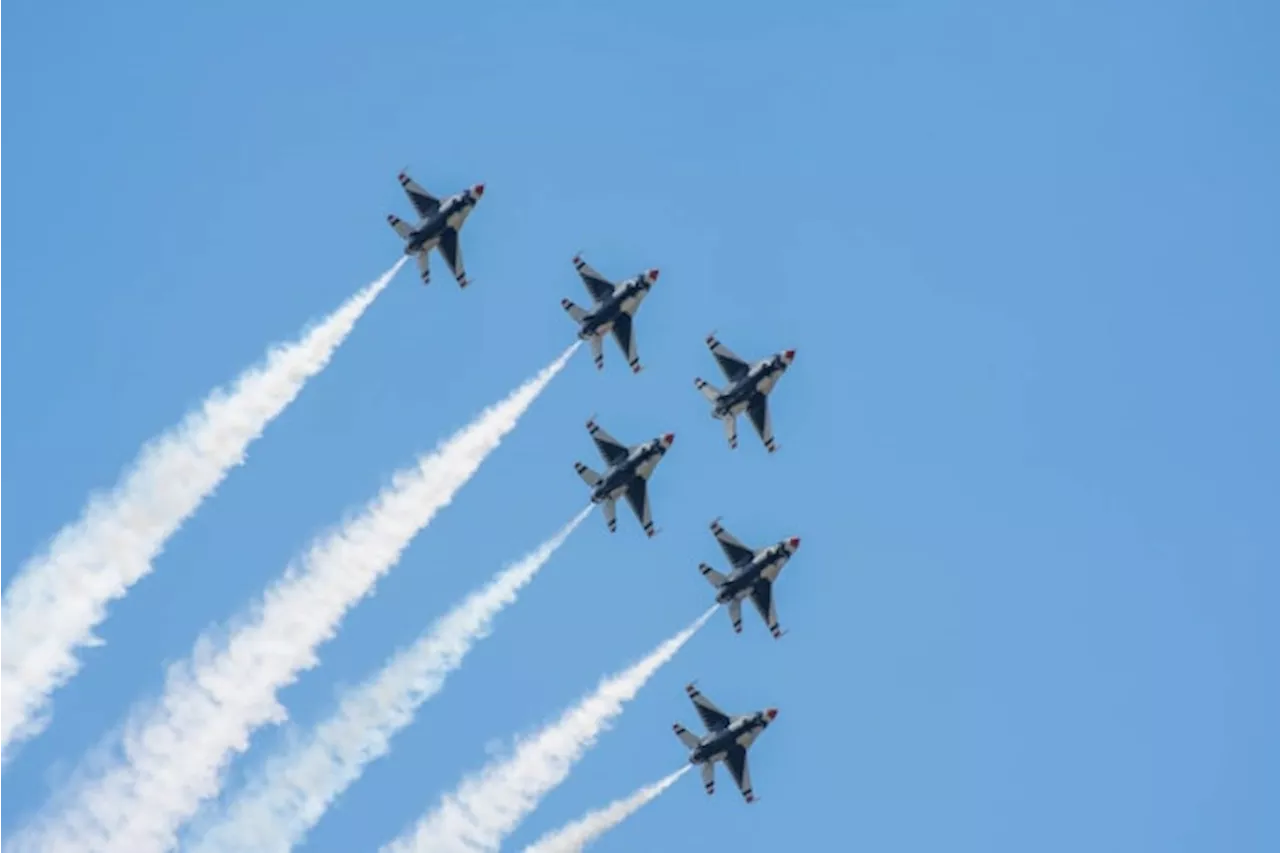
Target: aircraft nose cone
{"x": 789, "y": 355}
{"x": 653, "y": 275}
{"x": 669, "y": 438}
{"x": 794, "y": 542}
{"x": 478, "y": 190}
{"x": 771, "y": 713}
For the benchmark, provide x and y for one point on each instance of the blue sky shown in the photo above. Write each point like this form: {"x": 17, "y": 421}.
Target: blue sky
{"x": 1026, "y": 253}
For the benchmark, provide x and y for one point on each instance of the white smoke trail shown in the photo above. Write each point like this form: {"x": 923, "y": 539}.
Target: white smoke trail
{"x": 53, "y": 605}
{"x": 489, "y": 805}
{"x": 291, "y": 792}
{"x": 575, "y": 836}
{"x": 174, "y": 752}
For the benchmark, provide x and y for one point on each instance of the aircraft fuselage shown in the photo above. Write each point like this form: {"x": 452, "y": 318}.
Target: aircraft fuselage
{"x": 624, "y": 300}
{"x": 766, "y": 566}
{"x": 759, "y": 380}
{"x": 742, "y": 731}
{"x": 452, "y": 213}
{"x": 615, "y": 482}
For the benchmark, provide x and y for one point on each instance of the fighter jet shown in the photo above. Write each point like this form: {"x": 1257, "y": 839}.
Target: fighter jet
{"x": 727, "y": 739}
{"x": 438, "y": 226}
{"x": 615, "y": 306}
{"x": 754, "y": 573}
{"x": 748, "y": 391}
{"x": 628, "y": 475}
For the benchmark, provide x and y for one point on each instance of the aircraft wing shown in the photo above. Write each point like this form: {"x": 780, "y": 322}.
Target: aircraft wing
{"x": 762, "y": 598}
{"x": 611, "y": 450}
{"x": 638, "y": 497}
{"x": 734, "y": 368}
{"x": 424, "y": 202}
{"x": 451, "y": 249}
{"x": 736, "y": 759}
{"x": 758, "y": 412}
{"x": 738, "y": 554}
{"x": 712, "y": 717}
{"x": 597, "y": 285}
{"x": 624, "y": 334}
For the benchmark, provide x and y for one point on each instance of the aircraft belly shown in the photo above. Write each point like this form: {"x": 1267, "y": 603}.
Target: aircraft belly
{"x": 737, "y": 402}
{"x": 741, "y": 587}
{"x": 615, "y": 489}
{"x": 766, "y": 383}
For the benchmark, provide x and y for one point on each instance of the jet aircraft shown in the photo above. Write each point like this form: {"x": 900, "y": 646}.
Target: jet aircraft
{"x": 727, "y": 739}
{"x": 748, "y": 391}
{"x": 627, "y": 475}
{"x": 615, "y": 308}
{"x": 438, "y": 225}
{"x": 754, "y": 573}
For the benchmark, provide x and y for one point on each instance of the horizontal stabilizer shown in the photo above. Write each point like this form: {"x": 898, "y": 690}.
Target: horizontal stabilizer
{"x": 711, "y": 392}
{"x": 715, "y": 578}
{"x": 687, "y": 737}
{"x": 578, "y": 314}
{"x": 591, "y": 478}
{"x": 404, "y": 229}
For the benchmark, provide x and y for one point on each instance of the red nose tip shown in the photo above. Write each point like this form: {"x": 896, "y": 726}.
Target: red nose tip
{"x": 771, "y": 713}
{"x": 668, "y": 438}
{"x": 790, "y": 354}
{"x": 795, "y": 542}
{"x": 478, "y": 190}
{"x": 653, "y": 275}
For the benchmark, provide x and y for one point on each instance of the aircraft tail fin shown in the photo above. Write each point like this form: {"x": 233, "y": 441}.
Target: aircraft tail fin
{"x": 576, "y": 312}
{"x": 591, "y": 478}
{"x": 404, "y": 229}
{"x": 687, "y": 737}
{"x": 713, "y": 577}
{"x": 708, "y": 390}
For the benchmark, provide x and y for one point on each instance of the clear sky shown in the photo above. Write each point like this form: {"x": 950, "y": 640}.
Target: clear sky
{"x": 1026, "y": 252}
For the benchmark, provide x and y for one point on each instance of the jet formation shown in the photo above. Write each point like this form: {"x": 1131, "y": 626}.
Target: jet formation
{"x": 753, "y": 572}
